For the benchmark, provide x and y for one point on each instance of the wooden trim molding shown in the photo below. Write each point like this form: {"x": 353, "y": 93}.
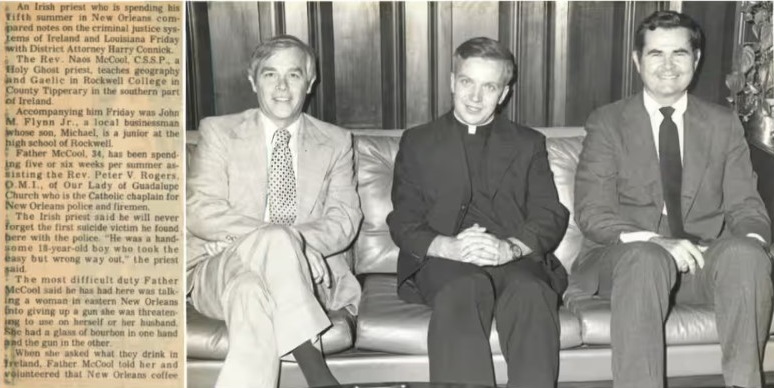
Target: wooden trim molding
{"x": 271, "y": 19}
{"x": 323, "y": 102}
{"x": 510, "y": 37}
{"x": 200, "y": 93}
{"x": 524, "y": 30}
{"x": 432, "y": 55}
{"x": 418, "y": 63}
{"x": 279, "y": 17}
{"x": 558, "y": 80}
{"x": 393, "y": 40}
{"x": 441, "y": 52}
{"x": 627, "y": 67}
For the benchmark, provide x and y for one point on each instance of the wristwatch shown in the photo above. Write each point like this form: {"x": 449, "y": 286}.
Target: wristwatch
{"x": 515, "y": 249}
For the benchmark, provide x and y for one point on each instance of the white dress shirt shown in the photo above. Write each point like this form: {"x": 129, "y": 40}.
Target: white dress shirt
{"x": 656, "y": 118}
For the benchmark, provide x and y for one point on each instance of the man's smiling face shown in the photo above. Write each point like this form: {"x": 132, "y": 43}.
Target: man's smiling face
{"x": 281, "y": 84}
{"x": 667, "y": 63}
{"x": 478, "y": 85}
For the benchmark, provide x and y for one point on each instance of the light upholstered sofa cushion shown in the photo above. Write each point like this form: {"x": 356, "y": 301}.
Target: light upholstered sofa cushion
{"x": 207, "y": 339}
{"x": 388, "y": 324}
{"x": 686, "y": 324}
{"x": 375, "y": 158}
{"x": 563, "y": 153}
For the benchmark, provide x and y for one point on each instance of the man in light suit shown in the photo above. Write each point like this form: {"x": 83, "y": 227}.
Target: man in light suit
{"x": 271, "y": 207}
{"x": 476, "y": 216}
{"x": 665, "y": 197}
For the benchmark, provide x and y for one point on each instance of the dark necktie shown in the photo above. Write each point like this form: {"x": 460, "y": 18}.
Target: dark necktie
{"x": 671, "y": 172}
{"x": 282, "y": 181}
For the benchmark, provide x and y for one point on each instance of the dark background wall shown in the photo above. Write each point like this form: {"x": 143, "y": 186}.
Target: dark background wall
{"x": 387, "y": 65}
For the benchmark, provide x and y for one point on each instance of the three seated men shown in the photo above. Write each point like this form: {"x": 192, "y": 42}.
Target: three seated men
{"x": 665, "y": 197}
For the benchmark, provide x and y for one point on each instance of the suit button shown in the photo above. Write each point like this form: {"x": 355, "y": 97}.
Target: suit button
{"x": 463, "y": 207}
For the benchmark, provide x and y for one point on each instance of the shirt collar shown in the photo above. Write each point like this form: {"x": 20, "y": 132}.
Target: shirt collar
{"x": 270, "y": 128}
{"x": 653, "y": 107}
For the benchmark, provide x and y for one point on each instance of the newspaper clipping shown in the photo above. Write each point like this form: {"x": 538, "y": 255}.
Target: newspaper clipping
{"x": 93, "y": 194}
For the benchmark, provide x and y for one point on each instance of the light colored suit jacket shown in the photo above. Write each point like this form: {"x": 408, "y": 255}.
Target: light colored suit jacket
{"x": 227, "y": 187}
{"x": 618, "y": 182}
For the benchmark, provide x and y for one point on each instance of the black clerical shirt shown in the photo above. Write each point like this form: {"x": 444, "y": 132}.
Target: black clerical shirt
{"x": 480, "y": 209}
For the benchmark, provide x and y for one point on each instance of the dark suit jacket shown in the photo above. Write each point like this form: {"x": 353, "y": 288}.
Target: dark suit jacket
{"x": 618, "y": 183}
{"x": 431, "y": 193}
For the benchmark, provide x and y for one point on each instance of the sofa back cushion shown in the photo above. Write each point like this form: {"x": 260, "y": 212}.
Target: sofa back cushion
{"x": 375, "y": 158}
{"x": 375, "y": 152}
{"x": 563, "y": 155}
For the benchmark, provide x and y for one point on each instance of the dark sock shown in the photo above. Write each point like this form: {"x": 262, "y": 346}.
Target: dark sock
{"x": 313, "y": 365}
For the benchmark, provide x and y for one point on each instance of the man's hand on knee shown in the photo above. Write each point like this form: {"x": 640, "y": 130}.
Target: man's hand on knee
{"x": 686, "y": 255}
{"x": 214, "y": 248}
{"x": 318, "y": 267}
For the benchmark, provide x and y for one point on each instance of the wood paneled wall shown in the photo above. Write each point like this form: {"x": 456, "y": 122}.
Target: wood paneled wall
{"x": 357, "y": 52}
{"x": 387, "y": 64}
{"x": 717, "y": 20}
{"x": 524, "y": 29}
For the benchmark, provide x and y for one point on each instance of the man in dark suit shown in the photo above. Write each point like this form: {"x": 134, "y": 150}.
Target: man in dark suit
{"x": 665, "y": 197}
{"x": 476, "y": 215}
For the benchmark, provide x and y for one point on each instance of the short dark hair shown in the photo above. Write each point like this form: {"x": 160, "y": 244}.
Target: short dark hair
{"x": 668, "y": 20}
{"x": 482, "y": 47}
{"x": 266, "y": 49}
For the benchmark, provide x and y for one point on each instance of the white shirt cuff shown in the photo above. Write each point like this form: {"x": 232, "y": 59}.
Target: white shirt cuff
{"x": 757, "y": 237}
{"x": 646, "y": 235}
{"x": 637, "y": 236}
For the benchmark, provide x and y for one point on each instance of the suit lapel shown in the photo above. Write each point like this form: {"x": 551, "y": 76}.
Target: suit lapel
{"x": 502, "y": 149}
{"x": 314, "y": 157}
{"x": 696, "y": 144}
{"x": 640, "y": 146}
{"x": 251, "y": 152}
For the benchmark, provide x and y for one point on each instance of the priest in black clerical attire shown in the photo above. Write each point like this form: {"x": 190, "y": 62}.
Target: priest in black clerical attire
{"x": 476, "y": 217}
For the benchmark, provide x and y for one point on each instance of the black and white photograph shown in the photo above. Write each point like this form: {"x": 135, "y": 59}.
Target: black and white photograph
{"x": 521, "y": 194}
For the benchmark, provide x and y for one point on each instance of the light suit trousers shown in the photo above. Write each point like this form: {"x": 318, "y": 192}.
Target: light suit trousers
{"x": 261, "y": 286}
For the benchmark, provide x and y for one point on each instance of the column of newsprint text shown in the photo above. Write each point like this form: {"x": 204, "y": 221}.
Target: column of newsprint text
{"x": 92, "y": 168}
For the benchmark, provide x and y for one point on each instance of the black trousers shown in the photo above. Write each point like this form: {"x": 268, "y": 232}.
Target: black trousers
{"x": 465, "y": 297}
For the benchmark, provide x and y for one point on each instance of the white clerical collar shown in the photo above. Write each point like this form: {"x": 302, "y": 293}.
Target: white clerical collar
{"x": 652, "y": 106}
{"x": 472, "y": 128}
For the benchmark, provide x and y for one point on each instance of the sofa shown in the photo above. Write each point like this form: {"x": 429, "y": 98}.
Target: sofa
{"x": 387, "y": 340}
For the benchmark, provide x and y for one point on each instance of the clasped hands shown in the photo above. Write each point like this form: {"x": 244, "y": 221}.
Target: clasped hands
{"x": 474, "y": 245}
